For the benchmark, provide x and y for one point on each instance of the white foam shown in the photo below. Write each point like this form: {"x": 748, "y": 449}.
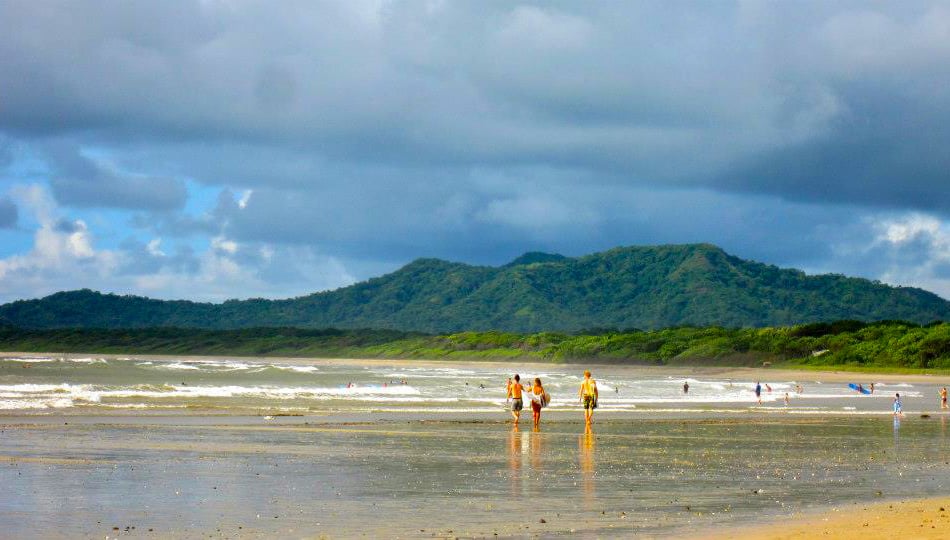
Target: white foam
{"x": 177, "y": 365}
{"x": 87, "y": 360}
{"x": 298, "y": 369}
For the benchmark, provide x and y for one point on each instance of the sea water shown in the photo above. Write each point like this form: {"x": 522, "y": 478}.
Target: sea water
{"x": 89, "y": 384}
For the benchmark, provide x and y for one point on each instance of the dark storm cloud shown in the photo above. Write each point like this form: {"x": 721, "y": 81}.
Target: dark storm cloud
{"x": 377, "y": 132}
{"x": 787, "y": 99}
{"x": 8, "y": 213}
{"x": 80, "y": 181}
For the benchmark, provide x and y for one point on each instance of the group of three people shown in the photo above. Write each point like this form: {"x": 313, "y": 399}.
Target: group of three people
{"x": 540, "y": 398}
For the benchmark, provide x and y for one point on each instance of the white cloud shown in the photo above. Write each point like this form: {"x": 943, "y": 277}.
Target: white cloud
{"x": 64, "y": 257}
{"x": 916, "y": 248}
{"x": 155, "y": 247}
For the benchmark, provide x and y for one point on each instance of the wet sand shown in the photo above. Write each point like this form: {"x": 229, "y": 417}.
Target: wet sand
{"x": 304, "y": 477}
{"x": 662, "y": 471}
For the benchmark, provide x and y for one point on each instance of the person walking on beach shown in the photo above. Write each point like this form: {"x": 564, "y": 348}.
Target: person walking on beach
{"x": 588, "y": 395}
{"x": 537, "y": 401}
{"x": 514, "y": 394}
{"x": 943, "y": 397}
{"x": 758, "y": 392}
{"x": 898, "y": 408}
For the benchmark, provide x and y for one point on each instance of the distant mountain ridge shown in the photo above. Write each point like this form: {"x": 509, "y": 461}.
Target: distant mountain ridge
{"x": 630, "y": 287}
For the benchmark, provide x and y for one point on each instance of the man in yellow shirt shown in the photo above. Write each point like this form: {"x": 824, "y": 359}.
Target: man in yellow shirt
{"x": 588, "y": 396}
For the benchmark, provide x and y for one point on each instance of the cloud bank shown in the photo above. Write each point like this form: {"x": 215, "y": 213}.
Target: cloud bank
{"x": 232, "y": 149}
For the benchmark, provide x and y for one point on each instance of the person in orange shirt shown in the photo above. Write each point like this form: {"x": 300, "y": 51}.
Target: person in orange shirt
{"x": 588, "y": 395}
{"x": 514, "y": 393}
{"x": 537, "y": 401}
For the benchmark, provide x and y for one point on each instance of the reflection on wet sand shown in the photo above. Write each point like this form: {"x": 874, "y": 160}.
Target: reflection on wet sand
{"x": 585, "y": 444}
{"x": 514, "y": 461}
{"x": 536, "y": 449}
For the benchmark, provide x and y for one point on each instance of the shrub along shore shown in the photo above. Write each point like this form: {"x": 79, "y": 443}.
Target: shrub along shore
{"x": 887, "y": 345}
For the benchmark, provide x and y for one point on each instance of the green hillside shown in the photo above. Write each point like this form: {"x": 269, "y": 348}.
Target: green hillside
{"x": 631, "y": 287}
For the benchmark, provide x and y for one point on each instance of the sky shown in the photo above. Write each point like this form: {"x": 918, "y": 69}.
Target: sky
{"x": 216, "y": 149}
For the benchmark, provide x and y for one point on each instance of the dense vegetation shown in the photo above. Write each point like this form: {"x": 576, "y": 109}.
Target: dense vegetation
{"x": 636, "y": 287}
{"x": 893, "y": 344}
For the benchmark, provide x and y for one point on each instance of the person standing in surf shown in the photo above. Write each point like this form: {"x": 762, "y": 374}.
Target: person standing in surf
{"x": 514, "y": 394}
{"x": 943, "y": 397}
{"x": 898, "y": 406}
{"x": 588, "y": 395}
{"x": 537, "y": 401}
{"x": 758, "y": 392}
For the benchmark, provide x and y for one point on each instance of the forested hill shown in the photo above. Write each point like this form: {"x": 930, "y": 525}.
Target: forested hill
{"x": 631, "y": 287}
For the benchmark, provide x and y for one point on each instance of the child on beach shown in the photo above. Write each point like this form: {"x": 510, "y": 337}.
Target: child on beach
{"x": 537, "y": 401}
{"x": 943, "y": 397}
{"x": 898, "y": 408}
{"x": 588, "y": 395}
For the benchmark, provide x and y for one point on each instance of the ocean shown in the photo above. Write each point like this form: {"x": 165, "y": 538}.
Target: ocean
{"x": 92, "y": 385}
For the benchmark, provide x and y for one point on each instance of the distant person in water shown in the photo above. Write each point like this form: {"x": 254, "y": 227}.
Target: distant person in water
{"x": 508, "y": 390}
{"x": 758, "y": 392}
{"x": 514, "y": 394}
{"x": 898, "y": 406}
{"x": 871, "y": 388}
{"x": 799, "y": 388}
{"x": 685, "y": 387}
{"x": 786, "y": 399}
{"x": 588, "y": 395}
{"x": 943, "y": 397}
{"x": 768, "y": 388}
{"x": 537, "y": 401}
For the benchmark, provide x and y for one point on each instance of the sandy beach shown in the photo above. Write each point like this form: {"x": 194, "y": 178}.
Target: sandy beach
{"x": 189, "y": 447}
{"x": 921, "y": 518}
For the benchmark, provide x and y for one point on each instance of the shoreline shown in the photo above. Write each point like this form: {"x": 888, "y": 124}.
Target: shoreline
{"x": 728, "y": 372}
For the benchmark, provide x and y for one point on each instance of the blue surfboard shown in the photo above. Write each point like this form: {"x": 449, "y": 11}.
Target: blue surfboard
{"x": 858, "y": 388}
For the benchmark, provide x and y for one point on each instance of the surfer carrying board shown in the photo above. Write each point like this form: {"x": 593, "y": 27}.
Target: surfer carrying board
{"x": 539, "y": 399}
{"x": 588, "y": 395}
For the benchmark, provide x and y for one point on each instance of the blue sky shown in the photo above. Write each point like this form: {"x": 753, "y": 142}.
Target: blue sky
{"x": 226, "y": 149}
